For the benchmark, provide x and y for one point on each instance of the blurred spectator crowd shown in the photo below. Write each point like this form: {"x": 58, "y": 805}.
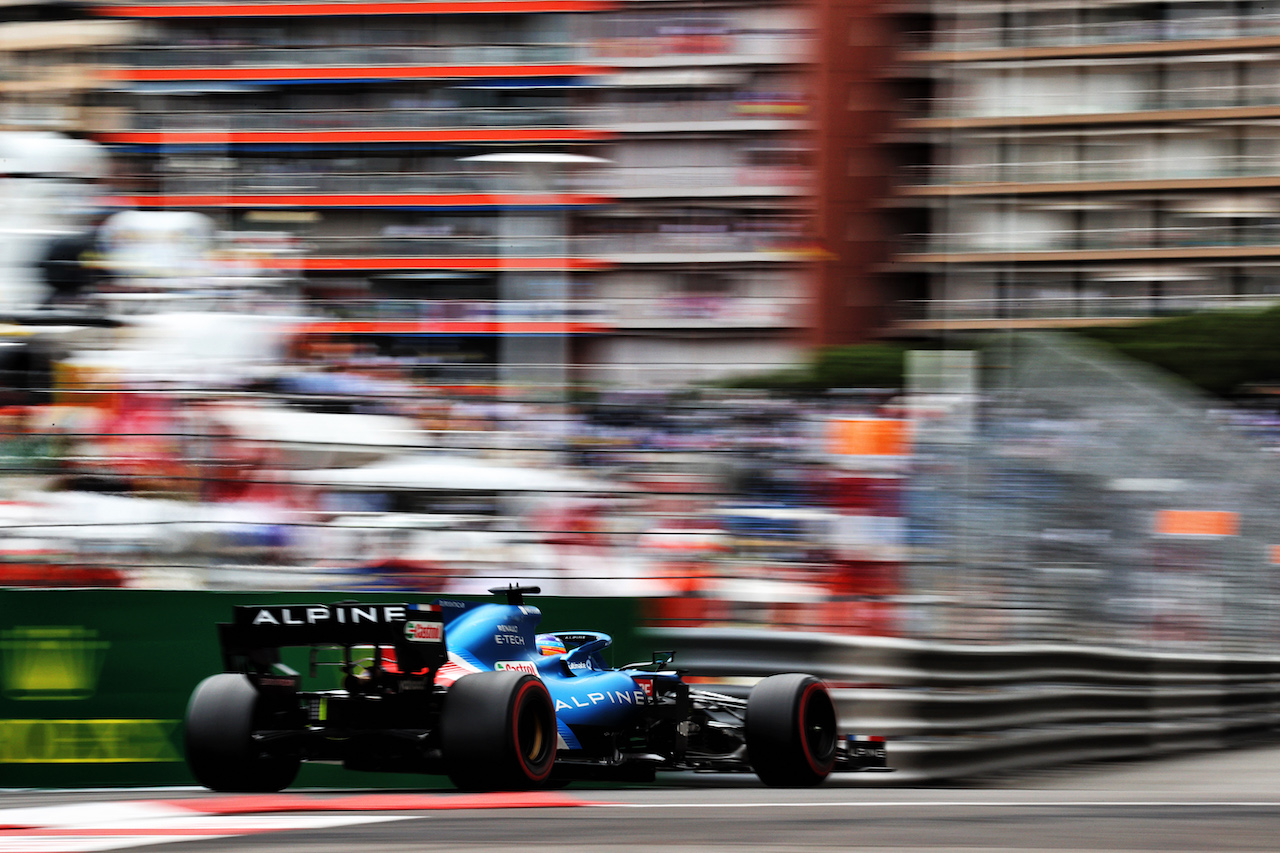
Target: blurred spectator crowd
{"x": 335, "y": 468}
{"x": 299, "y": 462}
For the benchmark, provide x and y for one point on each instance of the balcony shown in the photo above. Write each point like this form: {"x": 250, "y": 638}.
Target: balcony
{"x": 410, "y": 252}
{"x": 580, "y": 316}
{"x": 411, "y": 189}
{"x": 1077, "y": 106}
{"x": 721, "y": 312}
{"x": 701, "y": 247}
{"x": 1181, "y": 241}
{"x": 684, "y": 49}
{"x": 357, "y": 126}
{"x": 1030, "y": 33}
{"x": 34, "y": 36}
{"x": 407, "y": 244}
{"x": 784, "y": 113}
{"x": 240, "y": 188}
{"x": 249, "y": 183}
{"x": 1089, "y": 308}
{"x": 1063, "y": 175}
{"x": 46, "y": 115}
{"x": 416, "y": 118}
{"x": 706, "y": 181}
{"x": 210, "y": 68}
{"x": 458, "y": 317}
{"x": 371, "y": 57}
{"x": 55, "y": 78}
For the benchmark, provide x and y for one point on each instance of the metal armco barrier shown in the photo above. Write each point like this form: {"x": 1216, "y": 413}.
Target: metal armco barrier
{"x": 951, "y": 711}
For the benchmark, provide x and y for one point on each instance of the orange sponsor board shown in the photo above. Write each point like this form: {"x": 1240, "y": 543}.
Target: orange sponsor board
{"x": 436, "y": 263}
{"x": 1194, "y": 522}
{"x": 868, "y": 437}
{"x": 371, "y": 135}
{"x": 1275, "y": 555}
{"x": 345, "y": 9}
{"x": 448, "y": 327}
{"x": 311, "y": 200}
{"x": 332, "y": 72}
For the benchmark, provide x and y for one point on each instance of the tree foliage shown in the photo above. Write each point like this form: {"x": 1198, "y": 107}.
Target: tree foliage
{"x": 1223, "y": 352}
{"x": 874, "y": 365}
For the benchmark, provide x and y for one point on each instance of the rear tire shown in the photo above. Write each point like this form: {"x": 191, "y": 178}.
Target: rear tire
{"x": 498, "y": 732}
{"x": 791, "y": 730}
{"x": 222, "y": 715}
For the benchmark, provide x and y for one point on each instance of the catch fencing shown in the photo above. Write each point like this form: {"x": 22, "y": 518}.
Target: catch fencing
{"x": 1080, "y": 497}
{"x": 951, "y": 711}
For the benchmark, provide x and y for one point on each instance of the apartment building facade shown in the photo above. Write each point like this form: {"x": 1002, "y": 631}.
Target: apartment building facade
{"x": 49, "y": 54}
{"x": 723, "y": 205}
{"x": 647, "y": 192}
{"x": 1086, "y": 162}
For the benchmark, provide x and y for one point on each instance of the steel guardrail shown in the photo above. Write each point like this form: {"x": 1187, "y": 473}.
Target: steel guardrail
{"x": 954, "y": 710}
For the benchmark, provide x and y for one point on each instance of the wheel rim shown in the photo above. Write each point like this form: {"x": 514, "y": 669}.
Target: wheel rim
{"x": 534, "y": 743}
{"x": 532, "y": 737}
{"x": 818, "y": 728}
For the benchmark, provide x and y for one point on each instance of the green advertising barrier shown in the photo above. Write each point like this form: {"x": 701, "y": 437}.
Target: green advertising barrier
{"x": 94, "y": 682}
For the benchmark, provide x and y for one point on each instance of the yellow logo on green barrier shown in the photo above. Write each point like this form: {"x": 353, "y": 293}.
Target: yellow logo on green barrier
{"x": 88, "y": 741}
{"x": 51, "y": 662}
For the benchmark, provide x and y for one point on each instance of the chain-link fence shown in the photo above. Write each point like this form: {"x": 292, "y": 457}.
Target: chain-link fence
{"x": 1096, "y": 500}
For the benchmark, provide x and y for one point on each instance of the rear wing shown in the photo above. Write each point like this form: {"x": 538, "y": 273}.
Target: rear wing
{"x": 251, "y": 642}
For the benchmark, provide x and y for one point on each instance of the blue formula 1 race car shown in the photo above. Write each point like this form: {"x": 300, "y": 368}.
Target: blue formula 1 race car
{"x": 473, "y": 691}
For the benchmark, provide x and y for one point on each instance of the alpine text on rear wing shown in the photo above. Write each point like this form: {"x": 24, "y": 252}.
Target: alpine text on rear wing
{"x": 257, "y": 632}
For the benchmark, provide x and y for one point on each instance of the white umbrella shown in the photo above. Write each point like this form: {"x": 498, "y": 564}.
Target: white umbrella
{"x": 453, "y": 474}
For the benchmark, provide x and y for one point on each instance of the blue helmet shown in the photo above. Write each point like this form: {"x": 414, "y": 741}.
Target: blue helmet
{"x": 550, "y": 644}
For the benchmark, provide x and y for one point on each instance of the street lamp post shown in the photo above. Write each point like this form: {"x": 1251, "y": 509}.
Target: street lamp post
{"x": 536, "y": 361}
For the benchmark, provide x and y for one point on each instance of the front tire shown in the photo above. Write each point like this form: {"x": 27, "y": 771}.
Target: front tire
{"x": 222, "y": 715}
{"x": 791, "y": 730}
{"x": 498, "y": 732}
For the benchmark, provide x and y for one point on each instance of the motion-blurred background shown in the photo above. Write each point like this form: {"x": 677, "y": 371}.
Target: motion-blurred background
{"x": 763, "y": 313}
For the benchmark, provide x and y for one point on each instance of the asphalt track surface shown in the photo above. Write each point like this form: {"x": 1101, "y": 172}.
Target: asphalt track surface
{"x": 1218, "y": 801}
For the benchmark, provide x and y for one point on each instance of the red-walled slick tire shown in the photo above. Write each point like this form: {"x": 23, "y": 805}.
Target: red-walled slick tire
{"x": 791, "y": 730}
{"x": 498, "y": 732}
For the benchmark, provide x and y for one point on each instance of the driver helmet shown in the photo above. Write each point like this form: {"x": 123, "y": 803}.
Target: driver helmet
{"x": 550, "y": 644}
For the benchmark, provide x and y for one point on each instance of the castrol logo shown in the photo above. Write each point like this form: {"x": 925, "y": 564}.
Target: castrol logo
{"x": 424, "y": 632}
{"x": 517, "y": 665}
